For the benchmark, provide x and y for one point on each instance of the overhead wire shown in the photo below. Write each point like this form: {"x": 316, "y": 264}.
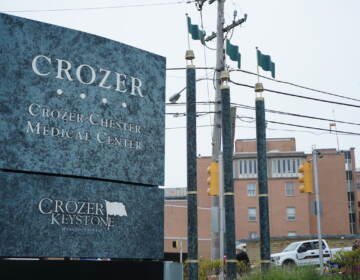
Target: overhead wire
{"x": 184, "y": 68}
{"x": 274, "y": 80}
{"x": 304, "y": 126}
{"x": 206, "y": 72}
{"x": 100, "y": 8}
{"x": 182, "y": 127}
{"x": 198, "y": 114}
{"x": 298, "y": 96}
{"x": 296, "y": 85}
{"x": 276, "y": 122}
{"x": 288, "y": 130}
{"x": 197, "y": 80}
{"x": 293, "y": 114}
{"x": 204, "y": 103}
{"x": 243, "y": 106}
{"x": 347, "y": 133}
{"x": 316, "y": 128}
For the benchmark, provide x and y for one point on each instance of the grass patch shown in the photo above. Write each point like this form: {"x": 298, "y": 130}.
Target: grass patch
{"x": 293, "y": 273}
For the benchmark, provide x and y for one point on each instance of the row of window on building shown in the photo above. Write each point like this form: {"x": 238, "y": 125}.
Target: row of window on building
{"x": 280, "y": 167}
{"x": 290, "y": 214}
{"x": 254, "y": 235}
{"x": 289, "y": 189}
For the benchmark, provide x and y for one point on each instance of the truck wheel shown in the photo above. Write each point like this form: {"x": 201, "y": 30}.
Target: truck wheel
{"x": 288, "y": 263}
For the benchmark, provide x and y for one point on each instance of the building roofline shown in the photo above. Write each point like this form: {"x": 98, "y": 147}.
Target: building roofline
{"x": 267, "y": 139}
{"x": 271, "y": 154}
{"x": 303, "y": 237}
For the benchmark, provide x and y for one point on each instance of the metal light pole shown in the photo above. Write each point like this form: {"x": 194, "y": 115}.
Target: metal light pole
{"x": 318, "y": 213}
{"x": 191, "y": 167}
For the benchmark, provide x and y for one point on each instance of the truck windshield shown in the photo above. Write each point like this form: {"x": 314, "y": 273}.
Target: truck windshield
{"x": 291, "y": 247}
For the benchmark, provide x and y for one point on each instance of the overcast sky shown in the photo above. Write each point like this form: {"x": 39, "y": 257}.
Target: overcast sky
{"x": 313, "y": 43}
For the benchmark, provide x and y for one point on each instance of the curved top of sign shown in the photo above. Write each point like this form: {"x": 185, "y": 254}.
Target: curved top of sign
{"x": 77, "y": 104}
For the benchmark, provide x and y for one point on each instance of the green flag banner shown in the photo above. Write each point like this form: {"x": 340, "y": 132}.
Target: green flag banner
{"x": 264, "y": 61}
{"x": 233, "y": 52}
{"x": 196, "y": 33}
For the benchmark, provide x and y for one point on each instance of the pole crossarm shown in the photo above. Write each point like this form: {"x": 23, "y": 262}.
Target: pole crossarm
{"x": 227, "y": 28}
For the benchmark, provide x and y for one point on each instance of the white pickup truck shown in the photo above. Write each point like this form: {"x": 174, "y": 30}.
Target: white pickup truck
{"x": 304, "y": 253}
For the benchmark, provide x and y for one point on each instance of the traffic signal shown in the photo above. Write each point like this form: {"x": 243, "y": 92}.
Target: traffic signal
{"x": 306, "y": 177}
{"x": 213, "y": 179}
{"x": 175, "y": 244}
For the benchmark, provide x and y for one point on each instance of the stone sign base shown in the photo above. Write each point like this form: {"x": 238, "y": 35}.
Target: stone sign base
{"x": 42, "y": 269}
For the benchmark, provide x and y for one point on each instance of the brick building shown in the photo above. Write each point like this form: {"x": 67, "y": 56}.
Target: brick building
{"x": 357, "y": 184}
{"x": 291, "y": 212}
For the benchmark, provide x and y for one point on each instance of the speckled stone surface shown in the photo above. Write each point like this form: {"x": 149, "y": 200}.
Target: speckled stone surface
{"x": 29, "y": 228}
{"x": 86, "y": 106}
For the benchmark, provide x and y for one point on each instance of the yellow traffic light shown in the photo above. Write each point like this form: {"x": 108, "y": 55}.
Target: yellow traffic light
{"x": 213, "y": 179}
{"x": 306, "y": 177}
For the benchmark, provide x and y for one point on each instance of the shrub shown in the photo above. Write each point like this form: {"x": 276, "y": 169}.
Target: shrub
{"x": 348, "y": 264}
{"x": 291, "y": 273}
{"x": 206, "y": 268}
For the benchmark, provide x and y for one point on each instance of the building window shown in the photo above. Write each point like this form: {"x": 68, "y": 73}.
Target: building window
{"x": 248, "y": 168}
{"x": 253, "y": 235}
{"x": 347, "y": 154}
{"x": 358, "y": 186}
{"x": 292, "y": 233}
{"x": 252, "y": 214}
{"x": 349, "y": 185}
{"x": 349, "y": 175}
{"x": 289, "y": 189}
{"x": 285, "y": 167}
{"x": 251, "y": 189}
{"x": 291, "y": 213}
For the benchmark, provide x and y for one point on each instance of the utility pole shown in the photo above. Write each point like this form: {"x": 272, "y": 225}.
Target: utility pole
{"x": 318, "y": 212}
{"x": 216, "y": 137}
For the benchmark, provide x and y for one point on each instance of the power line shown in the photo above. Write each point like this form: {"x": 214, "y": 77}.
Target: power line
{"x": 294, "y": 130}
{"x": 101, "y": 8}
{"x": 287, "y": 130}
{"x": 242, "y": 106}
{"x": 198, "y": 114}
{"x": 184, "y": 68}
{"x": 296, "y": 85}
{"x": 349, "y": 133}
{"x": 184, "y": 88}
{"x": 299, "y": 96}
{"x": 205, "y": 60}
{"x": 268, "y": 128}
{"x": 178, "y": 127}
{"x": 282, "y": 123}
{"x": 197, "y": 103}
{"x": 278, "y": 81}
{"x": 315, "y": 128}
{"x": 304, "y": 126}
{"x": 294, "y": 115}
